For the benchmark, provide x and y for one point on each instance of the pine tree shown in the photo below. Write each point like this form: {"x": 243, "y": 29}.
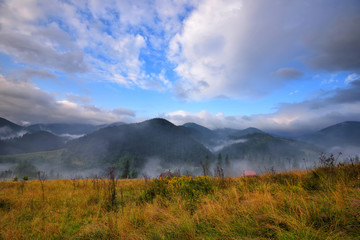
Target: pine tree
{"x": 219, "y": 162}
{"x": 126, "y": 170}
{"x": 227, "y": 161}
{"x": 205, "y": 166}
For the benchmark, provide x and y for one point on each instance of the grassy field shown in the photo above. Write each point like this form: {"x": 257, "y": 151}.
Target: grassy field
{"x": 316, "y": 204}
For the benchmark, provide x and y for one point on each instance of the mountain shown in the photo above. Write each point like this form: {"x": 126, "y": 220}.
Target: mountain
{"x": 31, "y": 142}
{"x": 110, "y": 125}
{"x": 9, "y": 129}
{"x": 345, "y": 134}
{"x": 218, "y": 138}
{"x": 200, "y": 133}
{"x": 64, "y": 128}
{"x": 155, "y": 138}
{"x": 235, "y": 133}
{"x": 267, "y": 150}
{"x": 70, "y": 130}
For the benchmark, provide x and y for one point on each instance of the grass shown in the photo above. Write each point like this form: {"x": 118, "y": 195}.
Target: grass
{"x": 323, "y": 203}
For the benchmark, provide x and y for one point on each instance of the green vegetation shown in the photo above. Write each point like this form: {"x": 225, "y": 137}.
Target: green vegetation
{"x": 322, "y": 203}
{"x": 35, "y": 158}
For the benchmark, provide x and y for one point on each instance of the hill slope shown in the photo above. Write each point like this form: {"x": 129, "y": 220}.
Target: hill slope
{"x": 9, "y": 129}
{"x": 64, "y": 128}
{"x": 218, "y": 138}
{"x": 153, "y": 138}
{"x": 267, "y": 150}
{"x": 31, "y": 142}
{"x": 342, "y": 134}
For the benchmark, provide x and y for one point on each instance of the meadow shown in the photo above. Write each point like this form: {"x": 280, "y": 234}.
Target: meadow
{"x": 322, "y": 203}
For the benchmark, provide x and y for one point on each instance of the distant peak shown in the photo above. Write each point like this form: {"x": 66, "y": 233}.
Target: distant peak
{"x": 342, "y": 124}
{"x": 159, "y": 121}
{"x": 189, "y": 124}
{"x": 193, "y": 125}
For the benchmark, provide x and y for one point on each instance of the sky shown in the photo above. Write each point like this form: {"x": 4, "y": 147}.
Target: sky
{"x": 286, "y": 67}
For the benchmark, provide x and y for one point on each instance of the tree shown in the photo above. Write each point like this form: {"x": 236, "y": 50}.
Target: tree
{"x": 25, "y": 168}
{"x": 220, "y": 162}
{"x": 205, "y": 166}
{"x": 126, "y": 170}
{"x": 227, "y": 162}
{"x": 123, "y": 166}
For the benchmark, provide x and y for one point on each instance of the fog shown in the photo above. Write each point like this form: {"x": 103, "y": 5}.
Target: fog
{"x": 154, "y": 147}
{"x": 7, "y": 133}
{"x": 224, "y": 143}
{"x": 71, "y": 136}
{"x": 6, "y": 166}
{"x": 154, "y": 166}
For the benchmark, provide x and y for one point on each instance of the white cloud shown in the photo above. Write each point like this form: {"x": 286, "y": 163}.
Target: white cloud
{"x": 293, "y": 92}
{"x": 220, "y": 48}
{"x": 352, "y": 77}
{"x": 232, "y": 48}
{"x": 105, "y": 37}
{"x": 289, "y": 119}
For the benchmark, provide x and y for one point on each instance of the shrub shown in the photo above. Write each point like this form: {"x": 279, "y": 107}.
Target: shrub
{"x": 190, "y": 189}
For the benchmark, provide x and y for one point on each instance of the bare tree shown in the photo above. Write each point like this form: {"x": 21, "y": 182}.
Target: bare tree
{"x": 42, "y": 177}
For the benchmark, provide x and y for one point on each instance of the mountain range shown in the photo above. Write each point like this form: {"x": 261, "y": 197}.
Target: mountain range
{"x": 85, "y": 146}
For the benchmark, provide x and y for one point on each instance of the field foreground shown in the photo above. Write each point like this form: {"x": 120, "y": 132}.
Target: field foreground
{"x": 316, "y": 204}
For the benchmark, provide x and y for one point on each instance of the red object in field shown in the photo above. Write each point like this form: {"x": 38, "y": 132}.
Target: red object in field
{"x": 249, "y": 173}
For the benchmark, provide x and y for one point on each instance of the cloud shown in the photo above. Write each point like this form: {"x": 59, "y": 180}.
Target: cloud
{"x": 348, "y": 95}
{"x": 235, "y": 46}
{"x": 288, "y": 73}
{"x": 352, "y": 77}
{"x": 78, "y": 99}
{"x": 114, "y": 40}
{"x": 336, "y": 48}
{"x": 217, "y": 48}
{"x": 23, "y": 101}
{"x": 290, "y": 119}
{"x": 30, "y": 74}
{"x": 124, "y": 111}
{"x": 30, "y": 51}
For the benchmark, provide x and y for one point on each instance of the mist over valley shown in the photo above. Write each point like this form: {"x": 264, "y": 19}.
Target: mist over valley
{"x": 152, "y": 147}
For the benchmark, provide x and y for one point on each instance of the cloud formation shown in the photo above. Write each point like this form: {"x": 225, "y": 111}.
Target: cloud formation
{"x": 22, "y": 101}
{"x": 115, "y": 40}
{"x": 197, "y": 50}
{"x": 288, "y": 73}
{"x": 290, "y": 119}
{"x": 27, "y": 49}
{"x": 218, "y": 48}
{"x": 235, "y": 46}
{"x": 336, "y": 47}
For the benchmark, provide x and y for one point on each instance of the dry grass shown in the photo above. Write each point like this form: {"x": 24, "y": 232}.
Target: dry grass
{"x": 317, "y": 204}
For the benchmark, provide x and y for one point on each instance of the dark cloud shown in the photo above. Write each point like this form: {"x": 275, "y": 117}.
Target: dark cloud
{"x": 29, "y": 74}
{"x": 22, "y": 101}
{"x": 337, "y": 47}
{"x": 236, "y": 51}
{"x": 33, "y": 52}
{"x": 124, "y": 111}
{"x": 288, "y": 73}
{"x": 348, "y": 95}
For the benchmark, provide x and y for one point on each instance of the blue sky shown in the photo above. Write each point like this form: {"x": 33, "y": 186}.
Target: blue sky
{"x": 282, "y": 66}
